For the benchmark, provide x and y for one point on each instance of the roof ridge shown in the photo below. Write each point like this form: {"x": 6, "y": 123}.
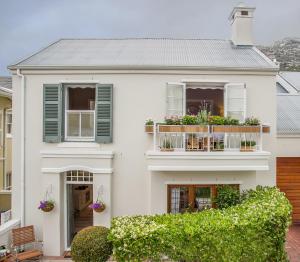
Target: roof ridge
{"x": 146, "y": 38}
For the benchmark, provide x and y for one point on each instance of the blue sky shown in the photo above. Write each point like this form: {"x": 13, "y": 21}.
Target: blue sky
{"x": 29, "y": 25}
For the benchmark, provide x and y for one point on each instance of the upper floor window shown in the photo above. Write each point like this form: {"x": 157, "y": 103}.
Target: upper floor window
{"x": 223, "y": 99}
{"x": 80, "y": 112}
{"x": 8, "y": 122}
{"x": 77, "y": 112}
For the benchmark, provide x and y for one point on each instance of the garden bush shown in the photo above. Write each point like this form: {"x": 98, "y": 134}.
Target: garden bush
{"x": 251, "y": 231}
{"x": 227, "y": 196}
{"x": 91, "y": 245}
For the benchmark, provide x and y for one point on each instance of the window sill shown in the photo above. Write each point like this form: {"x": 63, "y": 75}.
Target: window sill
{"x": 82, "y": 144}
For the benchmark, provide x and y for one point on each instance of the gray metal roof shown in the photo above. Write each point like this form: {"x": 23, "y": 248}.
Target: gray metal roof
{"x": 147, "y": 53}
{"x": 288, "y": 114}
{"x": 6, "y": 82}
{"x": 293, "y": 78}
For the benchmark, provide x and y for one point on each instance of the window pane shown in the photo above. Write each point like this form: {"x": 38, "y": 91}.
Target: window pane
{"x": 73, "y": 124}
{"x": 81, "y": 98}
{"x": 179, "y": 199}
{"x": 202, "y": 198}
{"x": 87, "y": 124}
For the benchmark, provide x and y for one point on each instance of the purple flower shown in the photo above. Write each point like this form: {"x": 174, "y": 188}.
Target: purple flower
{"x": 43, "y": 204}
{"x": 96, "y": 205}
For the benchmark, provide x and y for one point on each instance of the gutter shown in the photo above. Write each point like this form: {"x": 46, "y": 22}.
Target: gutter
{"x": 22, "y": 171}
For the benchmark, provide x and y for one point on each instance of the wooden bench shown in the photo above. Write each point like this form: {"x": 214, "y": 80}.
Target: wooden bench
{"x": 21, "y": 237}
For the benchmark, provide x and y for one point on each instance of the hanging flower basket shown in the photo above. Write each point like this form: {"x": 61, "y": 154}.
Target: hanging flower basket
{"x": 98, "y": 206}
{"x": 46, "y": 205}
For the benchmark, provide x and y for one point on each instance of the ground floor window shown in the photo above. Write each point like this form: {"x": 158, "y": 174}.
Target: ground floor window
{"x": 191, "y": 198}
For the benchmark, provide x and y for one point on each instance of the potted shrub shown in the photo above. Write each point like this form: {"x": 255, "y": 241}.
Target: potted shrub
{"x": 172, "y": 124}
{"x": 247, "y": 146}
{"x": 98, "y": 206}
{"x": 218, "y": 146}
{"x": 167, "y": 146}
{"x": 149, "y": 126}
{"x": 46, "y": 205}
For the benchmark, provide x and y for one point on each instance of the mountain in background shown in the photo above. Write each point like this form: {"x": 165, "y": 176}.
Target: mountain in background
{"x": 286, "y": 51}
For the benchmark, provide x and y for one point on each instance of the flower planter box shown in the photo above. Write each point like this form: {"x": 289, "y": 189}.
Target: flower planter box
{"x": 235, "y": 129}
{"x": 166, "y": 149}
{"x": 266, "y": 129}
{"x": 194, "y": 129}
{"x": 170, "y": 128}
{"x": 247, "y": 148}
{"x": 149, "y": 129}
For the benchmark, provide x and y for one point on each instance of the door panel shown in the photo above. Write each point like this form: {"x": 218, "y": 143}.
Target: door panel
{"x": 288, "y": 181}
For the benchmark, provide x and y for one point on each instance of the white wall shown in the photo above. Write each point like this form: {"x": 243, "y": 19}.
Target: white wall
{"x": 137, "y": 96}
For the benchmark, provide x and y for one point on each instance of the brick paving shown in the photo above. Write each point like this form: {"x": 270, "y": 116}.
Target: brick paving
{"x": 293, "y": 243}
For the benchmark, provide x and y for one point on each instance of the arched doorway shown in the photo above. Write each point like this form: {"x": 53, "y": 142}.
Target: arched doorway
{"x": 79, "y": 195}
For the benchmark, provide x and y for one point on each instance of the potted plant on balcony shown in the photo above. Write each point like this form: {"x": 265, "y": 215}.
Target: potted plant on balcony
{"x": 98, "y": 206}
{"x": 149, "y": 126}
{"x": 172, "y": 124}
{"x": 218, "y": 146}
{"x": 191, "y": 124}
{"x": 251, "y": 125}
{"x": 46, "y": 205}
{"x": 167, "y": 146}
{"x": 247, "y": 146}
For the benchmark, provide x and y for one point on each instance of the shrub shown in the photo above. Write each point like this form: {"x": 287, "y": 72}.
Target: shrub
{"x": 252, "y": 121}
{"x": 189, "y": 120}
{"x": 149, "y": 122}
{"x": 227, "y": 196}
{"x": 231, "y": 121}
{"x": 173, "y": 120}
{"x": 248, "y": 143}
{"x": 216, "y": 120}
{"x": 91, "y": 244}
{"x": 251, "y": 231}
{"x": 202, "y": 117}
{"x": 167, "y": 144}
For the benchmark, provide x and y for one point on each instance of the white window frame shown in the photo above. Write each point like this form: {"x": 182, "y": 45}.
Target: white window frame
{"x": 8, "y": 112}
{"x": 77, "y": 138}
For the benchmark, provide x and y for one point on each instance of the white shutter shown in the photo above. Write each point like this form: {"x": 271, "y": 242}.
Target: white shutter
{"x": 175, "y": 99}
{"x": 235, "y": 101}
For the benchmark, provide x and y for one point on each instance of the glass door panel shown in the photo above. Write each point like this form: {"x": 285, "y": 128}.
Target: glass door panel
{"x": 179, "y": 199}
{"x": 203, "y": 198}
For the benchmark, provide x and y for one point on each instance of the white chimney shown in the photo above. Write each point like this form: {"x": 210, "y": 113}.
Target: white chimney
{"x": 241, "y": 19}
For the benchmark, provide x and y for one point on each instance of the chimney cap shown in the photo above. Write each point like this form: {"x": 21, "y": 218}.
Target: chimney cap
{"x": 240, "y": 7}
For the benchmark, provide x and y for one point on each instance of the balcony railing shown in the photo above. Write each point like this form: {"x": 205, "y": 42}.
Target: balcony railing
{"x": 169, "y": 138}
{"x": 80, "y": 125}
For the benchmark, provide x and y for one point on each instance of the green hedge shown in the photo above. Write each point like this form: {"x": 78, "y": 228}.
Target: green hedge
{"x": 91, "y": 245}
{"x": 251, "y": 231}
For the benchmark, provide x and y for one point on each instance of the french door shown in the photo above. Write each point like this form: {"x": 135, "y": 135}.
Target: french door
{"x": 191, "y": 198}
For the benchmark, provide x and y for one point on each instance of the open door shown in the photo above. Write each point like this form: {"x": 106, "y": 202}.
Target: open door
{"x": 70, "y": 215}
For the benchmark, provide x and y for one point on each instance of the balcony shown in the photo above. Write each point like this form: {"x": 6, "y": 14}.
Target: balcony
{"x": 207, "y": 148}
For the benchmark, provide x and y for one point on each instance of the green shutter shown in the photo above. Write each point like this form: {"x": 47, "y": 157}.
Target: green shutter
{"x": 52, "y": 113}
{"x": 104, "y": 114}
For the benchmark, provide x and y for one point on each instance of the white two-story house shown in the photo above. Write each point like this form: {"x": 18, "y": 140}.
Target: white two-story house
{"x": 80, "y": 106}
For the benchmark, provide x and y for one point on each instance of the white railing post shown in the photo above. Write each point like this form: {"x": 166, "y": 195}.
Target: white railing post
{"x": 154, "y": 136}
{"x": 208, "y": 138}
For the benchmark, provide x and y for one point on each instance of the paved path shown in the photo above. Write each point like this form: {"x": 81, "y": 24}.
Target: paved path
{"x": 293, "y": 243}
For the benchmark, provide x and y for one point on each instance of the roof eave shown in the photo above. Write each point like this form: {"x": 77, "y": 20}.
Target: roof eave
{"x": 140, "y": 67}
